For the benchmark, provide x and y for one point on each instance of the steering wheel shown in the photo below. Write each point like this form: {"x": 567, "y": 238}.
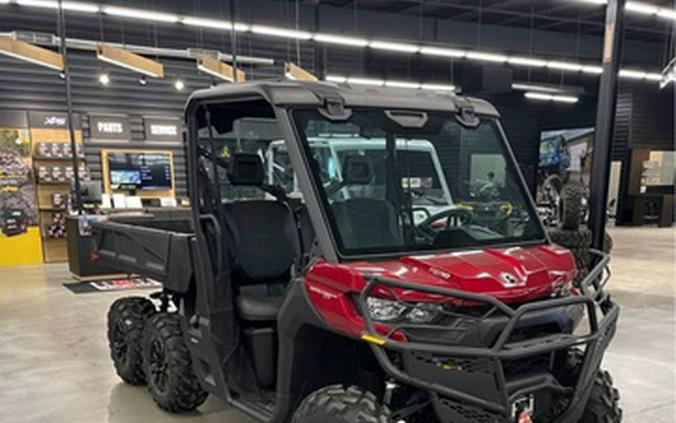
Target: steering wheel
{"x": 454, "y": 218}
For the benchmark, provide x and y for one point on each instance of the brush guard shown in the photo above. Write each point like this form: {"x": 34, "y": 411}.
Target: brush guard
{"x": 470, "y": 384}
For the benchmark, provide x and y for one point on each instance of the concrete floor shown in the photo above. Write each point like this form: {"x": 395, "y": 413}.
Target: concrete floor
{"x": 54, "y": 364}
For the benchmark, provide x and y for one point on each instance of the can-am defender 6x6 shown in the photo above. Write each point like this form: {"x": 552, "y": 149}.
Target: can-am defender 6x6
{"x": 354, "y": 273}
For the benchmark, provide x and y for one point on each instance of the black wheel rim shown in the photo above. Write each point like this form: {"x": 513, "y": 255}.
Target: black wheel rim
{"x": 119, "y": 341}
{"x": 157, "y": 365}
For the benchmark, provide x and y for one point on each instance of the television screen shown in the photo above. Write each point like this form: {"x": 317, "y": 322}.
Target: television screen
{"x": 144, "y": 171}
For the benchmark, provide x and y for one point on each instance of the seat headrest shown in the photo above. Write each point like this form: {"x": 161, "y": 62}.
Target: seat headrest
{"x": 246, "y": 169}
{"x": 357, "y": 170}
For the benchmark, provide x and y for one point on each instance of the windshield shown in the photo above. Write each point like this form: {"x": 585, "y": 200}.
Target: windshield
{"x": 434, "y": 184}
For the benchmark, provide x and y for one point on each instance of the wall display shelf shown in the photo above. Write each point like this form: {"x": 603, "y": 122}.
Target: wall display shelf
{"x": 52, "y": 162}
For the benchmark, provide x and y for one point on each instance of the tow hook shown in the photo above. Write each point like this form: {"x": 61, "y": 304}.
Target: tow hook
{"x": 524, "y": 417}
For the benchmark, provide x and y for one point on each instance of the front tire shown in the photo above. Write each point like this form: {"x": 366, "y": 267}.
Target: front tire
{"x": 168, "y": 365}
{"x": 337, "y": 404}
{"x": 126, "y": 320}
{"x": 604, "y": 402}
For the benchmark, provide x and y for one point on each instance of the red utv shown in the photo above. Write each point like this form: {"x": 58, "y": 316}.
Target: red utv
{"x": 344, "y": 278}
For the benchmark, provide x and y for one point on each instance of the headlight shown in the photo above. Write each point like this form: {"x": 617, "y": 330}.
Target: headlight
{"x": 390, "y": 311}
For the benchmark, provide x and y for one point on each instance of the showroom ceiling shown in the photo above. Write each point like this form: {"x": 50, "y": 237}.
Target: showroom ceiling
{"x": 553, "y": 15}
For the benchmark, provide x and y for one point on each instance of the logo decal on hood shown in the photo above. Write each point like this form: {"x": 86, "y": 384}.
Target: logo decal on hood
{"x": 511, "y": 281}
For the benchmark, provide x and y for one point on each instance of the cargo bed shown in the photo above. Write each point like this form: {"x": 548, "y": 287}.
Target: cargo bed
{"x": 152, "y": 246}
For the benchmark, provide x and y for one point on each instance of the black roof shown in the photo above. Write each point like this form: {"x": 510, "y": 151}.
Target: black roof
{"x": 305, "y": 93}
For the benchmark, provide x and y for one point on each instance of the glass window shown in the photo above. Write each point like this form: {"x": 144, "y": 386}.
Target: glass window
{"x": 388, "y": 188}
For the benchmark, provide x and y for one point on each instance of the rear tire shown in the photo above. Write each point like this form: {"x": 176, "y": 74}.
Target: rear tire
{"x": 168, "y": 365}
{"x": 336, "y": 404}
{"x": 580, "y": 238}
{"x": 126, "y": 320}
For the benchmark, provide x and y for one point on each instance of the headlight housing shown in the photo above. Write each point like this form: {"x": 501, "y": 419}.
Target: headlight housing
{"x": 388, "y": 311}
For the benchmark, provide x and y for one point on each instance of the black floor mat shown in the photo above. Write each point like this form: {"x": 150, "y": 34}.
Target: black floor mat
{"x": 111, "y": 285}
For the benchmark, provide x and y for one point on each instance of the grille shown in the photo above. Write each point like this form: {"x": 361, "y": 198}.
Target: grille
{"x": 456, "y": 412}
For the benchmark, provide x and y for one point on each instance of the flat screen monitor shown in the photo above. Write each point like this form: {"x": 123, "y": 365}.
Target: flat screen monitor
{"x": 140, "y": 171}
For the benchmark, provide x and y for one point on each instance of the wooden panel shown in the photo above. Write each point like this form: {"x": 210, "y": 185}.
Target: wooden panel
{"x": 129, "y": 60}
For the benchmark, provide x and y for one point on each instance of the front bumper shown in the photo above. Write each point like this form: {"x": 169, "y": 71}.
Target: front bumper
{"x": 481, "y": 383}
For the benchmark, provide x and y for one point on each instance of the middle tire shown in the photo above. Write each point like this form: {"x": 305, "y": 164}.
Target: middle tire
{"x": 337, "y": 404}
{"x": 168, "y": 365}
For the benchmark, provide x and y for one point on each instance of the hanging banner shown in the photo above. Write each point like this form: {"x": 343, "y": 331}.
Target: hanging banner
{"x": 20, "y": 241}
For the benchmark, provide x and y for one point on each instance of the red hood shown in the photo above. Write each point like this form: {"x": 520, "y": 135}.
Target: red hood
{"x": 508, "y": 274}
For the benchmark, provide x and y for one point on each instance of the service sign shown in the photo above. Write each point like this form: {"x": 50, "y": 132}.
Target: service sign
{"x": 109, "y": 127}
{"x": 163, "y": 129}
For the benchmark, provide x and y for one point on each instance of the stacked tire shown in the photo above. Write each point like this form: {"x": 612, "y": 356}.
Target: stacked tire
{"x": 571, "y": 233}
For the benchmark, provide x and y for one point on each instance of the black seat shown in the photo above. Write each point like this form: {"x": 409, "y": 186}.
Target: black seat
{"x": 367, "y": 223}
{"x": 263, "y": 242}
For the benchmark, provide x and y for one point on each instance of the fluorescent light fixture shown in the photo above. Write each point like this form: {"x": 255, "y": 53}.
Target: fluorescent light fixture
{"x": 667, "y": 13}
{"x": 402, "y": 84}
{"x": 366, "y": 81}
{"x": 214, "y": 24}
{"x": 336, "y": 78}
{"x": 51, "y": 4}
{"x": 140, "y": 14}
{"x": 550, "y": 97}
{"x": 486, "y": 57}
{"x": 400, "y": 47}
{"x": 647, "y": 9}
{"x": 280, "y": 32}
{"x": 296, "y": 73}
{"x": 340, "y": 40}
{"x": 594, "y": 70}
{"x": 593, "y": 1}
{"x": 532, "y": 87}
{"x": 31, "y": 53}
{"x": 632, "y": 74}
{"x": 128, "y": 60}
{"x": 218, "y": 69}
{"x": 438, "y": 87}
{"x": 654, "y": 77}
{"x": 527, "y": 61}
{"x": 445, "y": 52}
{"x": 4, "y": 1}
{"x": 567, "y": 66}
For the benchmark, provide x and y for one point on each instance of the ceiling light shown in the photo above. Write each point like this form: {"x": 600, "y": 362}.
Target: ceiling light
{"x": 104, "y": 79}
{"x": 31, "y": 53}
{"x": 593, "y": 1}
{"x": 339, "y": 39}
{"x": 644, "y": 8}
{"x": 295, "y": 72}
{"x": 366, "y": 81}
{"x": 4, "y": 1}
{"x": 527, "y": 61}
{"x": 654, "y": 77}
{"x": 280, "y": 32}
{"x": 532, "y": 87}
{"x": 446, "y": 52}
{"x": 62, "y": 75}
{"x": 550, "y": 97}
{"x": 129, "y": 60}
{"x": 140, "y": 14}
{"x": 486, "y": 57}
{"x": 215, "y": 67}
{"x": 402, "y": 84}
{"x": 576, "y": 67}
{"x": 667, "y": 13}
{"x": 403, "y": 48}
{"x": 596, "y": 70}
{"x": 67, "y": 5}
{"x": 437, "y": 87}
{"x": 632, "y": 74}
{"x": 143, "y": 81}
{"x": 179, "y": 85}
{"x": 214, "y": 23}
{"x": 336, "y": 78}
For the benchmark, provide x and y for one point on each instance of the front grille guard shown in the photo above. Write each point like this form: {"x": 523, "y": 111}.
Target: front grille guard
{"x": 591, "y": 295}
